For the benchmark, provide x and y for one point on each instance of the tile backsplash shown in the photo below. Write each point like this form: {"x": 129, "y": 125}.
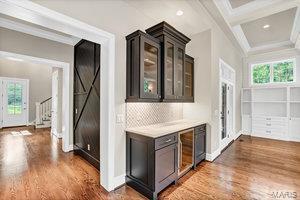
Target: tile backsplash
{"x": 143, "y": 114}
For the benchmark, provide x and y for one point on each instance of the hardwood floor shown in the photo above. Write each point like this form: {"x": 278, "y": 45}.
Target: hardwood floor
{"x": 34, "y": 167}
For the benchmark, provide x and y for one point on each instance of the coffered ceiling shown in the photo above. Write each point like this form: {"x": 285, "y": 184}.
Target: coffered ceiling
{"x": 239, "y": 3}
{"x": 261, "y": 26}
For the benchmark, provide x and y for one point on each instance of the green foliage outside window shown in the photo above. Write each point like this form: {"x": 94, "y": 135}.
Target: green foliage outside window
{"x": 283, "y": 71}
{"x": 14, "y": 99}
{"x": 261, "y": 73}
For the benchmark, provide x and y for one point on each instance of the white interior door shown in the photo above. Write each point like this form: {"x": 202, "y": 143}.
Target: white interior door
{"x": 54, "y": 103}
{"x": 15, "y": 102}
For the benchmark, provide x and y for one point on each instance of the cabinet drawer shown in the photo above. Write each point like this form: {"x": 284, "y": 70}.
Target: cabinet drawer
{"x": 268, "y": 128}
{"x": 268, "y": 119}
{"x": 257, "y": 132}
{"x": 166, "y": 140}
{"x": 200, "y": 129}
{"x": 269, "y": 123}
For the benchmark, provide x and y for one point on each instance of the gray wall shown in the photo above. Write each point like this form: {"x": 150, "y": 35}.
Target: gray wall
{"x": 39, "y": 80}
{"x": 20, "y": 43}
{"x": 224, "y": 49}
{"x": 207, "y": 48}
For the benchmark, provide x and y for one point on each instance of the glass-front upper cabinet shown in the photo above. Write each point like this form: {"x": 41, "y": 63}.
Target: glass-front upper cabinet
{"x": 143, "y": 68}
{"x": 169, "y": 70}
{"x": 189, "y": 79}
{"x": 150, "y": 69}
{"x": 179, "y": 73}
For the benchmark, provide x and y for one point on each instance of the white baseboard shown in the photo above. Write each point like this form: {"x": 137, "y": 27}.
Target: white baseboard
{"x": 238, "y": 134}
{"x": 211, "y": 157}
{"x": 70, "y": 148}
{"x": 119, "y": 180}
{"x": 58, "y": 135}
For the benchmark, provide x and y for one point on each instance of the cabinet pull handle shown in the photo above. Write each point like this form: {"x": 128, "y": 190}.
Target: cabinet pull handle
{"x": 169, "y": 140}
{"x": 268, "y": 124}
{"x": 268, "y": 118}
{"x": 268, "y": 131}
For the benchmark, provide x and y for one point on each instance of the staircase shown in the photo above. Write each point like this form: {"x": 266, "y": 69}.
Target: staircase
{"x": 43, "y": 113}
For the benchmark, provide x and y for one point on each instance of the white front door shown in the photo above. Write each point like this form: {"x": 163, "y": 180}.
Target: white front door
{"x": 14, "y": 100}
{"x": 54, "y": 103}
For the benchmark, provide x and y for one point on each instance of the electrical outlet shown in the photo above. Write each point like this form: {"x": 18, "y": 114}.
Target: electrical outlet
{"x": 89, "y": 147}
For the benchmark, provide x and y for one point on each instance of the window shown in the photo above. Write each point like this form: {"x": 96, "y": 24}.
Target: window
{"x": 273, "y": 72}
{"x": 14, "y": 98}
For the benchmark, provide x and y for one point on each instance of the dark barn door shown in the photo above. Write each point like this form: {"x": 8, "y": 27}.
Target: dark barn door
{"x": 87, "y": 101}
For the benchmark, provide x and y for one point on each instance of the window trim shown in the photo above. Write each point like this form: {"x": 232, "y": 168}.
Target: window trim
{"x": 271, "y": 63}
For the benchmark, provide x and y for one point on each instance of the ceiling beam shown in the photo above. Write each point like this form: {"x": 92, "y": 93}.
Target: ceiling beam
{"x": 296, "y": 27}
{"x": 241, "y": 38}
{"x": 297, "y": 45}
{"x": 254, "y": 13}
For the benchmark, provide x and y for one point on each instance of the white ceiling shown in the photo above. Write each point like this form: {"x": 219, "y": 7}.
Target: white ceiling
{"x": 280, "y": 29}
{"x": 239, "y": 3}
{"x": 246, "y": 18}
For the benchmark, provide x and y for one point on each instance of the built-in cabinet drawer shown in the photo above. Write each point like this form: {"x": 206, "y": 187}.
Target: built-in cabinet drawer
{"x": 166, "y": 140}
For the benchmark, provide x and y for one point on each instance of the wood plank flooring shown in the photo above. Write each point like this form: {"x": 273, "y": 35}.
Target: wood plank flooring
{"x": 34, "y": 167}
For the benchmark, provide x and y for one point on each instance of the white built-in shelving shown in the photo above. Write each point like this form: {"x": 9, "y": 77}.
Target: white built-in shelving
{"x": 272, "y": 112}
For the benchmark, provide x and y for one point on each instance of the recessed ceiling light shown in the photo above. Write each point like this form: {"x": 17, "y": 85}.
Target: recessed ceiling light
{"x": 266, "y": 26}
{"x": 179, "y": 12}
{"x": 15, "y": 59}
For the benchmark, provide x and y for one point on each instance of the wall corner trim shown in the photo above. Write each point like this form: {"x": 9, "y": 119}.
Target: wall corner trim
{"x": 119, "y": 181}
{"x": 211, "y": 157}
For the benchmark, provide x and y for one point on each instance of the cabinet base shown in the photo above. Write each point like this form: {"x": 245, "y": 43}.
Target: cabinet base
{"x": 141, "y": 188}
{"x": 198, "y": 160}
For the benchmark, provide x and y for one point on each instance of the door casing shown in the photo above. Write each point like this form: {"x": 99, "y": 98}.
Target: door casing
{"x": 230, "y": 82}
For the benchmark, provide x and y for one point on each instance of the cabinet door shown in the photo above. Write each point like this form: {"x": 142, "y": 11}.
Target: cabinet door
{"x": 189, "y": 79}
{"x": 200, "y": 147}
{"x": 169, "y": 69}
{"x": 150, "y": 69}
{"x": 166, "y": 166}
{"x": 179, "y": 73}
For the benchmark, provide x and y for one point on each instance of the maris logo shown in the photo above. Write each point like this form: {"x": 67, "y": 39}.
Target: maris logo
{"x": 284, "y": 195}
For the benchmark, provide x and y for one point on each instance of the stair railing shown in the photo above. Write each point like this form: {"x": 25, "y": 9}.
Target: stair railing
{"x": 43, "y": 110}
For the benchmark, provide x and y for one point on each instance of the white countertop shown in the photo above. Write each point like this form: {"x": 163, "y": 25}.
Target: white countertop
{"x": 161, "y": 129}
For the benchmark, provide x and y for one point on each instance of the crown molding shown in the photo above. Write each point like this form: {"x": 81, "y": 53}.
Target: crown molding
{"x": 24, "y": 28}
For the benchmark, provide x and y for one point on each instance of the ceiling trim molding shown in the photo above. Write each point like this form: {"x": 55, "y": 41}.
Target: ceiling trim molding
{"x": 297, "y": 45}
{"x": 16, "y": 26}
{"x": 296, "y": 27}
{"x": 255, "y": 10}
{"x": 241, "y": 38}
{"x": 272, "y": 46}
{"x": 262, "y": 11}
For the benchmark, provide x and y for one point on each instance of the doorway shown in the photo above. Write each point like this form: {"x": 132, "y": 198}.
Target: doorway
{"x": 227, "y": 104}
{"x": 14, "y": 93}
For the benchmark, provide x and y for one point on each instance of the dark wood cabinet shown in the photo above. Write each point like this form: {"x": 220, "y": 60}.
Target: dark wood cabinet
{"x": 173, "y": 60}
{"x": 143, "y": 68}
{"x": 156, "y": 65}
{"x": 151, "y": 163}
{"x": 189, "y": 79}
{"x": 200, "y": 144}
